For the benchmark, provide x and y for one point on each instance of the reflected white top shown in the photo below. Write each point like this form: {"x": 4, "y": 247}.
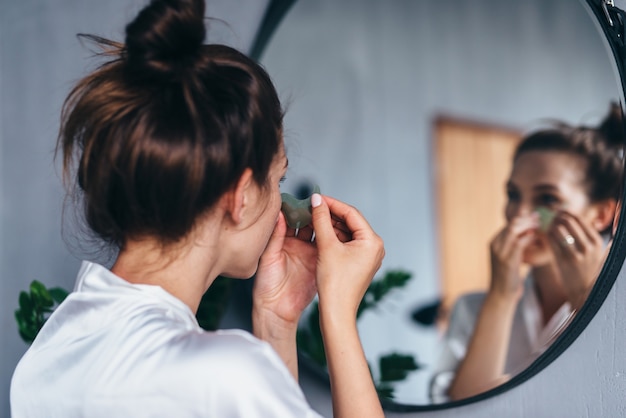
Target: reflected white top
{"x": 116, "y": 349}
{"x": 529, "y": 338}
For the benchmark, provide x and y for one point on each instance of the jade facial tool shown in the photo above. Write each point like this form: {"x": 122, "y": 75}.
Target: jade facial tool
{"x": 297, "y": 211}
{"x": 546, "y": 216}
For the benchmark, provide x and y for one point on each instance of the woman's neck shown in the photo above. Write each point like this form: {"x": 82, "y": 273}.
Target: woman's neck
{"x": 186, "y": 271}
{"x": 549, "y": 290}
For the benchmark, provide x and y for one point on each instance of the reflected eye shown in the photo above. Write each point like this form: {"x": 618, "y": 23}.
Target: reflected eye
{"x": 282, "y": 179}
{"x": 512, "y": 195}
{"x": 548, "y": 200}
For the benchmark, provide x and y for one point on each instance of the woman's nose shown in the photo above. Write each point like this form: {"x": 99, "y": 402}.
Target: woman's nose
{"x": 522, "y": 209}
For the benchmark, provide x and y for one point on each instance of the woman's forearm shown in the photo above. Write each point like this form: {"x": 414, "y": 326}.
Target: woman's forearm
{"x": 483, "y": 365}
{"x": 280, "y": 335}
{"x": 353, "y": 391}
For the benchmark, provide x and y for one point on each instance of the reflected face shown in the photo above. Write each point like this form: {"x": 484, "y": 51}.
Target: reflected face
{"x": 550, "y": 179}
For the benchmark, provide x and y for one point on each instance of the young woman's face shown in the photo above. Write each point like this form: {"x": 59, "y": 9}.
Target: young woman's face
{"x": 268, "y": 205}
{"x": 549, "y": 179}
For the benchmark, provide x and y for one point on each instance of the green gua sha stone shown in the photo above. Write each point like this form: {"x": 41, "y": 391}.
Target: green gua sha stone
{"x": 546, "y": 216}
{"x": 297, "y": 211}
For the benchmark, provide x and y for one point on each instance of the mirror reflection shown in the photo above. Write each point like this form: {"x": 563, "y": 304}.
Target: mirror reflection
{"x": 423, "y": 114}
{"x": 562, "y": 194}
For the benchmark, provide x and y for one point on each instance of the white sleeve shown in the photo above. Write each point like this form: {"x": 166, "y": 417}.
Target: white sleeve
{"x": 255, "y": 383}
{"x": 454, "y": 344}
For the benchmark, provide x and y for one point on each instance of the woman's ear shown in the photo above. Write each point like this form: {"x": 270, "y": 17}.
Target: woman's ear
{"x": 605, "y": 214}
{"x": 238, "y": 198}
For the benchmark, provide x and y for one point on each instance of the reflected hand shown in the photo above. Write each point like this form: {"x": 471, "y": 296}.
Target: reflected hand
{"x": 579, "y": 251}
{"x": 506, "y": 256}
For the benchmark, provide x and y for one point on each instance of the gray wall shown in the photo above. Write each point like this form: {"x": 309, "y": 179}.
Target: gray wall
{"x": 40, "y": 58}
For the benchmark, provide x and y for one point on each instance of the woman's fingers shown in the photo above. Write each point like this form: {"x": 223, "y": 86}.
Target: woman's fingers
{"x": 322, "y": 223}
{"x": 571, "y": 236}
{"x": 349, "y": 217}
{"x": 580, "y": 230}
{"x": 308, "y": 233}
{"x": 277, "y": 239}
{"x": 509, "y": 242}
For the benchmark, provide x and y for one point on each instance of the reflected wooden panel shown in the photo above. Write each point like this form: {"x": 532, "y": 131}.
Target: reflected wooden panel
{"x": 472, "y": 164}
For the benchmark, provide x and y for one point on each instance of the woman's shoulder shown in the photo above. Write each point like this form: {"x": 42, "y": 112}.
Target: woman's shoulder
{"x": 236, "y": 352}
{"x": 245, "y": 371}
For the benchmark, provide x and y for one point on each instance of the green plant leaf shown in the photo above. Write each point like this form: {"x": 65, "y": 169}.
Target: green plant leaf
{"x": 35, "y": 307}
{"x": 27, "y": 329}
{"x": 58, "y": 294}
{"x": 395, "y": 367}
{"x": 25, "y": 302}
{"x": 214, "y": 303}
{"x": 384, "y": 391}
{"x": 40, "y": 294}
{"x": 379, "y": 288}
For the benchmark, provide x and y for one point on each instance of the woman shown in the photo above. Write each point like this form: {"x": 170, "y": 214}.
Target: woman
{"x": 562, "y": 195}
{"x": 177, "y": 151}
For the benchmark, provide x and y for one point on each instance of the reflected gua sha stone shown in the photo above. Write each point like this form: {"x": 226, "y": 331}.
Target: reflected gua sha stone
{"x": 297, "y": 211}
{"x": 546, "y": 216}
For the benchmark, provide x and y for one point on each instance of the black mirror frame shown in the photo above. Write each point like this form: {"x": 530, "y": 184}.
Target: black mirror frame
{"x": 611, "y": 20}
{"x": 276, "y": 11}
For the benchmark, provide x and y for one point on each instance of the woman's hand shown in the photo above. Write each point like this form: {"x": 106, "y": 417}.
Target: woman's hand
{"x": 349, "y": 255}
{"x": 283, "y": 287}
{"x": 285, "y": 279}
{"x": 507, "y": 249}
{"x": 579, "y": 251}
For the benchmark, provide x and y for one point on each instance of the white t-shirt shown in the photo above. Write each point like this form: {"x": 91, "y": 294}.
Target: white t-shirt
{"x": 529, "y": 337}
{"x": 116, "y": 349}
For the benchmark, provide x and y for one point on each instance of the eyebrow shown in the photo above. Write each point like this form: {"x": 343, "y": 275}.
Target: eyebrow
{"x": 539, "y": 187}
{"x": 546, "y": 187}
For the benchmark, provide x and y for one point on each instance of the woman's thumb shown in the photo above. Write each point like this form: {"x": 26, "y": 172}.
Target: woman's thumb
{"x": 321, "y": 219}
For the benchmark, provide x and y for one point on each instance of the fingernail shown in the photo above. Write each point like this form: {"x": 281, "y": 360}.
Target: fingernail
{"x": 316, "y": 200}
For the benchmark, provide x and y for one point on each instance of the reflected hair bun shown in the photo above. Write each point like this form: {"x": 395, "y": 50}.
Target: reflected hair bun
{"x": 612, "y": 127}
{"x": 165, "y": 38}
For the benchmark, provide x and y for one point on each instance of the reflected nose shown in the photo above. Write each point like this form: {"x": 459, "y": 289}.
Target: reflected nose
{"x": 519, "y": 210}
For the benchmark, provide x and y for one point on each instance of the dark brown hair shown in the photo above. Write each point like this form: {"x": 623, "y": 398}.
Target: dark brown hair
{"x": 601, "y": 147}
{"x": 166, "y": 125}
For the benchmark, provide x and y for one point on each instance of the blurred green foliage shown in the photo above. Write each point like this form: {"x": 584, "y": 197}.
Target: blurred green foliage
{"x": 394, "y": 366}
{"x": 35, "y": 306}
{"x": 213, "y": 303}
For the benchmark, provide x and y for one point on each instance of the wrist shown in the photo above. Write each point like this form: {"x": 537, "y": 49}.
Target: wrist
{"x": 336, "y": 320}
{"x": 501, "y": 303}
{"x": 266, "y": 324}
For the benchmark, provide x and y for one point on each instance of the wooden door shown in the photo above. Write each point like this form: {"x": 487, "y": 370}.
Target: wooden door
{"x": 472, "y": 163}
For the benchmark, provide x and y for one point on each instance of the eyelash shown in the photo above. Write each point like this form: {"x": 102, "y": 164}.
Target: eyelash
{"x": 512, "y": 195}
{"x": 282, "y": 179}
{"x": 549, "y": 199}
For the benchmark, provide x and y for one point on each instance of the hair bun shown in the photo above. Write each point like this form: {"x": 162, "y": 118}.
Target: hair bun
{"x": 612, "y": 126}
{"x": 165, "y": 37}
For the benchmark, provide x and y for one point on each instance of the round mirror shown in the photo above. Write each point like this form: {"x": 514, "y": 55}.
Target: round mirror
{"x": 412, "y": 112}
